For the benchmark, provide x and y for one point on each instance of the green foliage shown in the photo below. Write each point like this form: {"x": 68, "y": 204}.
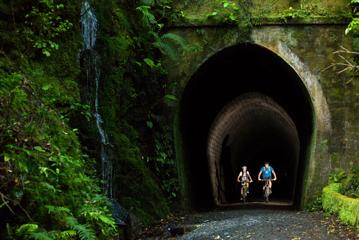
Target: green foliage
{"x": 353, "y": 27}
{"x": 292, "y": 13}
{"x": 168, "y": 43}
{"x": 164, "y": 165}
{"x": 84, "y": 231}
{"x": 345, "y": 207}
{"x": 351, "y": 184}
{"x": 145, "y": 97}
{"x": 44, "y": 25}
{"x": 337, "y": 176}
{"x": 229, "y": 11}
{"x": 147, "y": 207}
{"x": 45, "y": 179}
{"x": 349, "y": 181}
{"x": 131, "y": 44}
{"x": 315, "y": 205}
{"x": 35, "y": 26}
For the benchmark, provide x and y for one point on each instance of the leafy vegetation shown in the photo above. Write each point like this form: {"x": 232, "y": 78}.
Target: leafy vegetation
{"x": 353, "y": 27}
{"x": 48, "y": 186}
{"x": 44, "y": 24}
{"x": 48, "y": 182}
{"x": 348, "y": 59}
{"x": 45, "y": 187}
{"x": 345, "y": 207}
{"x": 143, "y": 138}
{"x": 160, "y": 154}
{"x": 351, "y": 183}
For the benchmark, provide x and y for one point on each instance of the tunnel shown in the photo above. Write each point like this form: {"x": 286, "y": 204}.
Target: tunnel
{"x": 243, "y": 106}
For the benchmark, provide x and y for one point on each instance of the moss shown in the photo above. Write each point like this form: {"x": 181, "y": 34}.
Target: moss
{"x": 137, "y": 190}
{"x": 135, "y": 186}
{"x": 267, "y": 12}
{"x": 345, "y": 207}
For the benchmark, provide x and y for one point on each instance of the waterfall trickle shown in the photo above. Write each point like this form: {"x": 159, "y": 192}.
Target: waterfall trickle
{"x": 89, "y": 27}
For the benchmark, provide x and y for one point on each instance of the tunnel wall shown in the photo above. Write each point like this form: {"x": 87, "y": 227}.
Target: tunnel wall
{"x": 308, "y": 49}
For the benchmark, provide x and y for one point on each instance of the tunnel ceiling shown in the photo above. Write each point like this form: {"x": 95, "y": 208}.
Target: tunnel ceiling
{"x": 229, "y": 74}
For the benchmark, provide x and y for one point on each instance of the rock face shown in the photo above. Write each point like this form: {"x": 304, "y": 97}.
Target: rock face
{"x": 285, "y": 56}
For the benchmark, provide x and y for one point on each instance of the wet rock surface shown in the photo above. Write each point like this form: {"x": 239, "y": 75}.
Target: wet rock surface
{"x": 255, "y": 224}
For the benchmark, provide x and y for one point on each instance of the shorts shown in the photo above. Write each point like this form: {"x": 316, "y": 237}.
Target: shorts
{"x": 267, "y": 177}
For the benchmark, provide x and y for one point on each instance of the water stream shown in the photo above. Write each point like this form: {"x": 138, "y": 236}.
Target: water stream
{"x": 89, "y": 27}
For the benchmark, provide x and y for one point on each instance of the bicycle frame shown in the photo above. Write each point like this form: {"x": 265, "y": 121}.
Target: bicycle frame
{"x": 266, "y": 190}
{"x": 244, "y": 189}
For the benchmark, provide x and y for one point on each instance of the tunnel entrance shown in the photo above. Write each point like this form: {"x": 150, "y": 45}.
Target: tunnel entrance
{"x": 243, "y": 106}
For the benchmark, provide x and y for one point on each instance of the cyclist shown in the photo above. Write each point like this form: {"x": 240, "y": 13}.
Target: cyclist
{"x": 266, "y": 173}
{"x": 245, "y": 177}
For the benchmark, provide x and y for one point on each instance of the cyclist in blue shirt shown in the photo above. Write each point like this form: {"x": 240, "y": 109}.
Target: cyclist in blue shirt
{"x": 266, "y": 173}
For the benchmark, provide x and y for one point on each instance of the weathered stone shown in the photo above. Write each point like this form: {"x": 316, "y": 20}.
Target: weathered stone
{"x": 309, "y": 51}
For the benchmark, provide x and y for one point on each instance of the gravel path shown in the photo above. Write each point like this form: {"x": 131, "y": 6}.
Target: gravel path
{"x": 256, "y": 224}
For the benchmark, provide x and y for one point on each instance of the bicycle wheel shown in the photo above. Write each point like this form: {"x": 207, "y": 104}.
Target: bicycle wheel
{"x": 266, "y": 194}
{"x": 244, "y": 193}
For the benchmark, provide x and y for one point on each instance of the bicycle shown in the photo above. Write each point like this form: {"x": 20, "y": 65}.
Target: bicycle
{"x": 244, "y": 190}
{"x": 267, "y": 191}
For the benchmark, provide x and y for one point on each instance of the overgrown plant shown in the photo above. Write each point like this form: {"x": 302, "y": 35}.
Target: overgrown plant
{"x": 44, "y": 24}
{"x": 45, "y": 188}
{"x": 155, "y": 16}
{"x": 349, "y": 181}
{"x": 230, "y": 11}
{"x": 48, "y": 187}
{"x": 353, "y": 27}
{"x": 348, "y": 59}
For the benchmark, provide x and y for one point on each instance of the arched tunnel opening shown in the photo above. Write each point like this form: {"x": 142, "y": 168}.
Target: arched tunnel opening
{"x": 243, "y": 106}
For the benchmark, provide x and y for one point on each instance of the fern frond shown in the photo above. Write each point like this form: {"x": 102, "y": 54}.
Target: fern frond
{"x": 167, "y": 49}
{"x": 26, "y": 229}
{"x": 83, "y": 230}
{"x": 41, "y": 236}
{"x": 175, "y": 38}
{"x": 57, "y": 209}
{"x": 68, "y": 234}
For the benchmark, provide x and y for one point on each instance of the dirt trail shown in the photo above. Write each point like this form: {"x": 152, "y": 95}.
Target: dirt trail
{"x": 256, "y": 224}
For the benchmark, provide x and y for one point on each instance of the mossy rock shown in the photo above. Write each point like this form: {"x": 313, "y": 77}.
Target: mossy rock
{"x": 136, "y": 187}
{"x": 345, "y": 207}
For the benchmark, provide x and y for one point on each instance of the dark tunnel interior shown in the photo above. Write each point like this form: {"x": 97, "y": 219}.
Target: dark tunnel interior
{"x": 256, "y": 129}
{"x": 258, "y": 136}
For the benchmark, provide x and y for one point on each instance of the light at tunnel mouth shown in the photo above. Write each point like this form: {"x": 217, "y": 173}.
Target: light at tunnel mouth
{"x": 250, "y": 130}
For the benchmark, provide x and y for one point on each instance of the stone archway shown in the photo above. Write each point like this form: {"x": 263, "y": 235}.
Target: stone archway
{"x": 231, "y": 74}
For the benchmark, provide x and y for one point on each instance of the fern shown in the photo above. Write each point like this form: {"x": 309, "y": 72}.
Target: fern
{"x": 83, "y": 230}
{"x": 167, "y": 49}
{"x": 26, "y": 229}
{"x": 57, "y": 209}
{"x": 147, "y": 17}
{"x": 170, "y": 44}
{"x": 175, "y": 38}
{"x": 31, "y": 231}
{"x": 41, "y": 236}
{"x": 67, "y": 234}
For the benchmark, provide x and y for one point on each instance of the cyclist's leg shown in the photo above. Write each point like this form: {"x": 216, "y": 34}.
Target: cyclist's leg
{"x": 270, "y": 184}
